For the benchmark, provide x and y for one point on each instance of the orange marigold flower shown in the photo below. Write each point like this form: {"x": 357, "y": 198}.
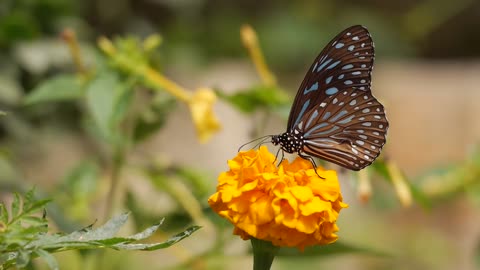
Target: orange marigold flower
{"x": 288, "y": 205}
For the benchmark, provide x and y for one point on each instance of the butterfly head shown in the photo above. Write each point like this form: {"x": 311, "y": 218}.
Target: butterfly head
{"x": 288, "y": 142}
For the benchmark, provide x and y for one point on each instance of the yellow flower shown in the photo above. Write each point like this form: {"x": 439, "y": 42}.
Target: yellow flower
{"x": 288, "y": 205}
{"x": 201, "y": 109}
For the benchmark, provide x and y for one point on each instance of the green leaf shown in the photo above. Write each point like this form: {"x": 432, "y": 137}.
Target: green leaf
{"x": 16, "y": 204}
{"x": 329, "y": 250}
{"x": 103, "y": 237}
{"x": 173, "y": 240}
{"x": 27, "y": 236}
{"x": 147, "y": 232}
{"x": 3, "y": 214}
{"x": 34, "y": 221}
{"x": 81, "y": 181}
{"x": 28, "y": 199}
{"x": 258, "y": 97}
{"x": 106, "y": 98}
{"x": 52, "y": 263}
{"x": 153, "y": 118}
{"x": 60, "y": 88}
{"x": 22, "y": 258}
{"x": 108, "y": 230}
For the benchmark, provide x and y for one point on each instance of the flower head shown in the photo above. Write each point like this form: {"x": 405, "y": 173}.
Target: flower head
{"x": 288, "y": 205}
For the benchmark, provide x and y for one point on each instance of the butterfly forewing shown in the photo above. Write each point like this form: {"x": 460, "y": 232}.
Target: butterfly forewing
{"x": 347, "y": 60}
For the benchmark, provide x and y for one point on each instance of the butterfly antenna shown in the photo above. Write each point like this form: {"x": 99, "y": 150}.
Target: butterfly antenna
{"x": 276, "y": 156}
{"x": 261, "y": 142}
{"x": 261, "y": 138}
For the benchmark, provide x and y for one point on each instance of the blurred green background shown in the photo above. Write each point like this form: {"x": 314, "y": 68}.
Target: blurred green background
{"x": 426, "y": 73}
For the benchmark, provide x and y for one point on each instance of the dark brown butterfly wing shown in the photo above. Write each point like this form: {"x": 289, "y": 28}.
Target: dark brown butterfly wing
{"x": 348, "y": 128}
{"x": 346, "y": 61}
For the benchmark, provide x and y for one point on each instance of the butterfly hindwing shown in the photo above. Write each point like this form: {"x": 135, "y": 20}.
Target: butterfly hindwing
{"x": 346, "y": 61}
{"x": 348, "y": 128}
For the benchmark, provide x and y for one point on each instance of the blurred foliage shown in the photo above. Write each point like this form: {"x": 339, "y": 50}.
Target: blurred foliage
{"x": 23, "y": 235}
{"x": 257, "y": 97}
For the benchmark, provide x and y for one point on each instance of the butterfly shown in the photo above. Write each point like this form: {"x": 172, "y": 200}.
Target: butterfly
{"x": 334, "y": 116}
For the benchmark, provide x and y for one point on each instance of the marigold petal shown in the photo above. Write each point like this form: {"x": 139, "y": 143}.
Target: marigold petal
{"x": 261, "y": 211}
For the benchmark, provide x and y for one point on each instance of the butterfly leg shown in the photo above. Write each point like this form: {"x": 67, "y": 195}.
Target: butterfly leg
{"x": 276, "y": 156}
{"x": 309, "y": 158}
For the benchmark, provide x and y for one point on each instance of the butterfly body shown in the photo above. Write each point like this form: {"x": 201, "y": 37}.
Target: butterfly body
{"x": 334, "y": 116}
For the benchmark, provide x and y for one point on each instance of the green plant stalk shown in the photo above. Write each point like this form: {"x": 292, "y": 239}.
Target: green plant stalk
{"x": 263, "y": 254}
{"x": 118, "y": 160}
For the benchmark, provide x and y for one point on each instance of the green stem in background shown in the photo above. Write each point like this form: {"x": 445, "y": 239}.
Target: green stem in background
{"x": 250, "y": 41}
{"x": 263, "y": 254}
{"x": 68, "y": 35}
{"x": 118, "y": 161}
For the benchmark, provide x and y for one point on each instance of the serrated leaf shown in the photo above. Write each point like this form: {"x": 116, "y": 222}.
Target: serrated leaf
{"x": 28, "y": 198}
{"x": 7, "y": 257}
{"x": 109, "y": 229}
{"x": 147, "y": 232}
{"x": 3, "y": 214}
{"x": 34, "y": 221}
{"x": 36, "y": 206}
{"x": 255, "y": 98}
{"x": 336, "y": 248}
{"x": 49, "y": 259}
{"x": 173, "y": 240}
{"x": 23, "y": 258}
{"x": 60, "y": 88}
{"x": 16, "y": 204}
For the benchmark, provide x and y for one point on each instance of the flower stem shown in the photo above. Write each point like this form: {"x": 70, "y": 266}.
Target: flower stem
{"x": 400, "y": 183}
{"x": 364, "y": 186}
{"x": 250, "y": 41}
{"x": 117, "y": 164}
{"x": 68, "y": 35}
{"x": 263, "y": 254}
{"x": 159, "y": 80}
